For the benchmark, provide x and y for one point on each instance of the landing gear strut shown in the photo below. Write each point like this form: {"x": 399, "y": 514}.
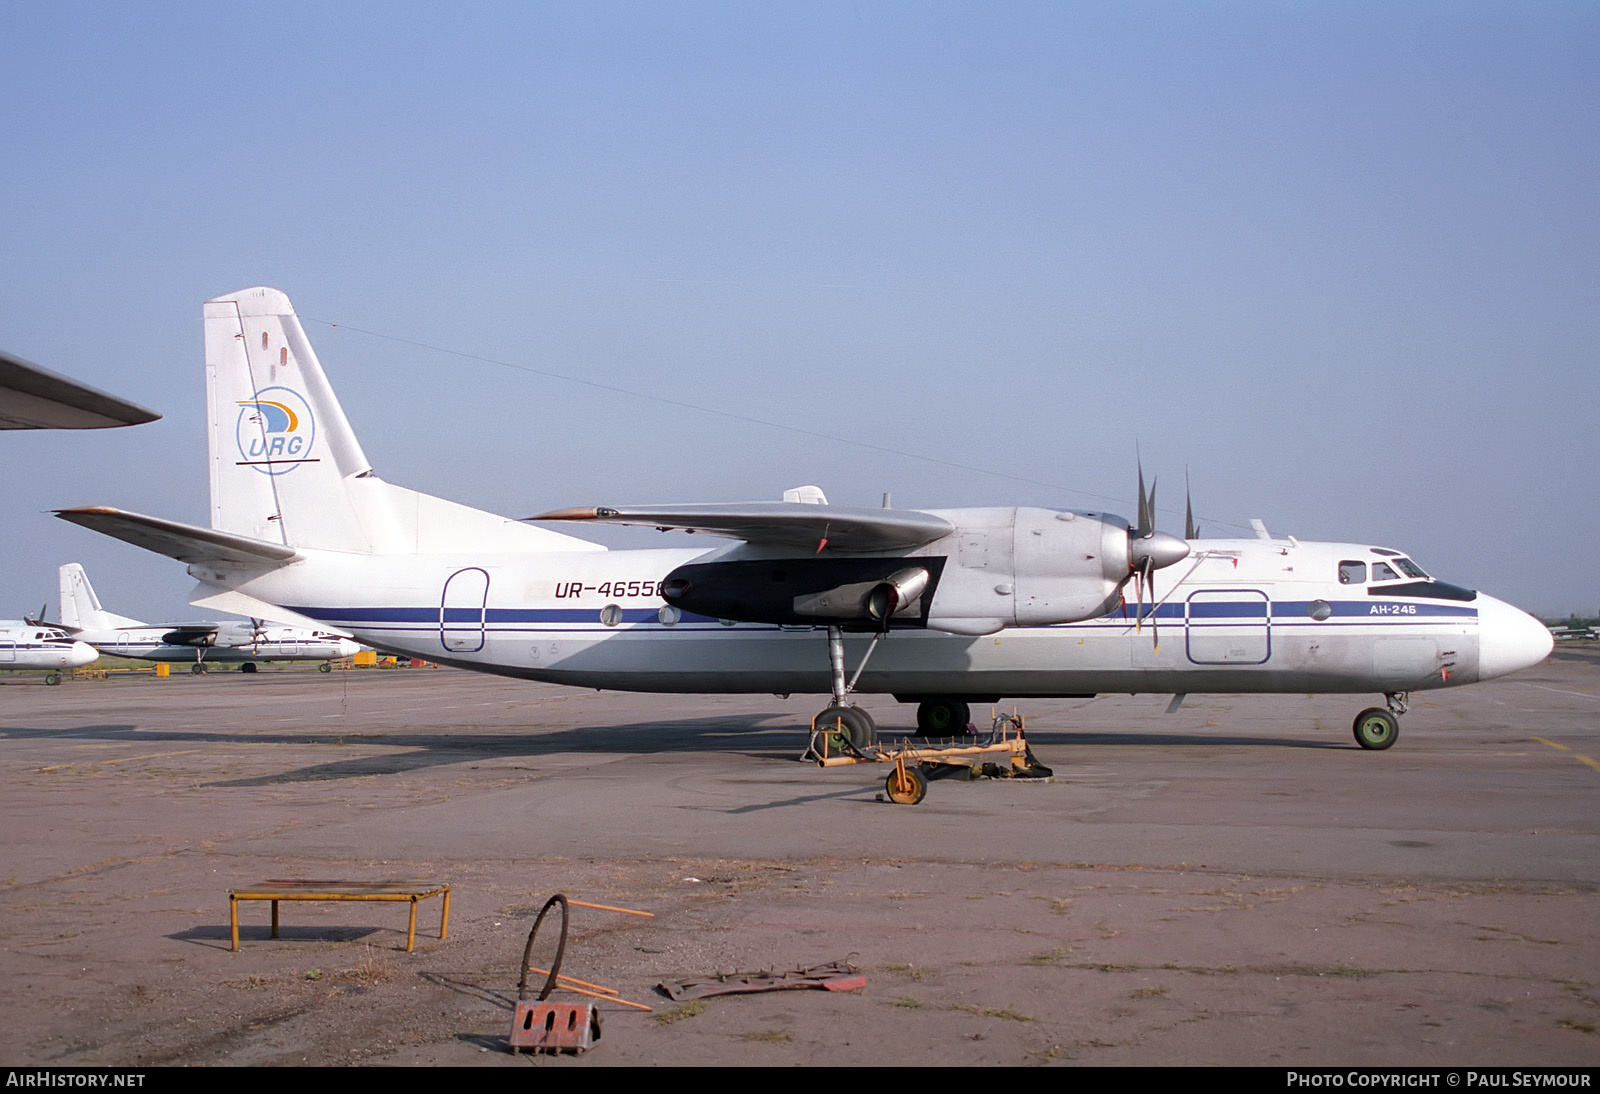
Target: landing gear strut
{"x": 842, "y": 716}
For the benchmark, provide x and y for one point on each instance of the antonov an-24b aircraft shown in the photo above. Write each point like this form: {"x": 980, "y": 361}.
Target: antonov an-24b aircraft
{"x": 970, "y": 605}
{"x": 40, "y": 647}
{"x": 235, "y": 641}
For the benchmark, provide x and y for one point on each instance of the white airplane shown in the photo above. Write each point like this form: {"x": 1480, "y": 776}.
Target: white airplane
{"x": 38, "y": 646}
{"x": 232, "y": 641}
{"x": 951, "y": 606}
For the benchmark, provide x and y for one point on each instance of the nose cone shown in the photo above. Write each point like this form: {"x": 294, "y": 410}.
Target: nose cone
{"x": 1159, "y": 547}
{"x": 1508, "y": 638}
{"x": 347, "y": 648}
{"x": 80, "y": 654}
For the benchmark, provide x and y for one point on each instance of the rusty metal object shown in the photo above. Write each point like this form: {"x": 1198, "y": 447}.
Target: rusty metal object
{"x": 555, "y": 1027}
{"x": 833, "y": 976}
{"x": 554, "y": 972}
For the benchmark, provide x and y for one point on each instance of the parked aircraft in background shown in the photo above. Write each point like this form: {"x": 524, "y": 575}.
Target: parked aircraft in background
{"x": 41, "y": 647}
{"x": 232, "y": 641}
{"x": 951, "y": 606}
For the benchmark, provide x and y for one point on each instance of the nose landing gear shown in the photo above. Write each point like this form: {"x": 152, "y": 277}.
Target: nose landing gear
{"x": 1377, "y": 728}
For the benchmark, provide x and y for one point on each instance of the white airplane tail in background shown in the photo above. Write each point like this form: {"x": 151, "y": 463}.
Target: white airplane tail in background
{"x": 286, "y": 466}
{"x": 80, "y": 608}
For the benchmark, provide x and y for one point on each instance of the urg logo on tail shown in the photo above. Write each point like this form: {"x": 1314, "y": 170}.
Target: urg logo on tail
{"x": 276, "y": 432}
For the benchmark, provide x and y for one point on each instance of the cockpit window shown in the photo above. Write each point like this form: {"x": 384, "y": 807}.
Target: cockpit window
{"x": 1411, "y": 568}
{"x": 1352, "y": 573}
{"x": 1382, "y": 571}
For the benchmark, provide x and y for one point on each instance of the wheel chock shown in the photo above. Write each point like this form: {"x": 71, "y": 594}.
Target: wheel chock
{"x": 554, "y": 1027}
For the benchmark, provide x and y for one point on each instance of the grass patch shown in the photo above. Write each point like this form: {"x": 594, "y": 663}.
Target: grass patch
{"x": 905, "y": 1001}
{"x": 1149, "y": 993}
{"x": 769, "y": 1035}
{"x": 1050, "y": 957}
{"x": 678, "y": 1014}
{"x": 995, "y": 1012}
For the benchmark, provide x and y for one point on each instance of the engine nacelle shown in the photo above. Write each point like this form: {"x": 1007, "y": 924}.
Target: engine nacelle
{"x": 1036, "y": 567}
{"x": 846, "y": 591}
{"x": 199, "y": 637}
{"x": 999, "y": 568}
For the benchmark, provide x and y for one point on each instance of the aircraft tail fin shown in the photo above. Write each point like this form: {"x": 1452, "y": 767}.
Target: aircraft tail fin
{"x": 80, "y": 608}
{"x": 286, "y": 466}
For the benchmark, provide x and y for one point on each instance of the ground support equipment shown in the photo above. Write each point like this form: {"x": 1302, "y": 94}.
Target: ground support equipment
{"x": 1004, "y": 753}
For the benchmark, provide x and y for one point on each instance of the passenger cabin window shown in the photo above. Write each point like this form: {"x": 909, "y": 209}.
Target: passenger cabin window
{"x": 1382, "y": 571}
{"x": 1352, "y": 573}
{"x": 1411, "y": 568}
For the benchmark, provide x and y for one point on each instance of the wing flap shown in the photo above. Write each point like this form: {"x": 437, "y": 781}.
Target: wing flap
{"x": 777, "y": 523}
{"x": 187, "y": 543}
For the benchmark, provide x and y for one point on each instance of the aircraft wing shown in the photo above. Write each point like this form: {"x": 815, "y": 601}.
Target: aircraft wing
{"x": 184, "y": 542}
{"x": 778, "y": 523}
{"x": 36, "y": 398}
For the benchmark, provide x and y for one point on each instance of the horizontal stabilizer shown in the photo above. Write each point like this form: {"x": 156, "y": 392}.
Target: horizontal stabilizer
{"x": 779, "y": 523}
{"x": 185, "y": 542}
{"x": 206, "y": 595}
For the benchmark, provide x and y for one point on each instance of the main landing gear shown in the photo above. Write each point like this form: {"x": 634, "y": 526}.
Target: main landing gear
{"x": 942, "y": 717}
{"x": 843, "y": 718}
{"x": 1377, "y": 728}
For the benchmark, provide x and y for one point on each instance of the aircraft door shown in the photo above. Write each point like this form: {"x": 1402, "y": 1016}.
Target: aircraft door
{"x": 1229, "y": 627}
{"x": 8, "y": 648}
{"x": 462, "y": 609}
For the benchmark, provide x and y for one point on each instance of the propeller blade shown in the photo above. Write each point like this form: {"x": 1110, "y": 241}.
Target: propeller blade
{"x": 1190, "y": 531}
{"x": 1147, "y": 521}
{"x": 1140, "y": 577}
{"x": 1155, "y": 625}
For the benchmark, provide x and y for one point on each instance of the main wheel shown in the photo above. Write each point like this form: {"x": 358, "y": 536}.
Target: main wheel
{"x": 248, "y": 666}
{"x": 1376, "y": 729}
{"x": 856, "y": 724}
{"x": 942, "y": 717}
{"x": 906, "y": 787}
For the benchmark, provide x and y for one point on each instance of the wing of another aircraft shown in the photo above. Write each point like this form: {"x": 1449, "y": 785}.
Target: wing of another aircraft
{"x": 778, "y": 523}
{"x": 185, "y": 542}
{"x": 36, "y": 398}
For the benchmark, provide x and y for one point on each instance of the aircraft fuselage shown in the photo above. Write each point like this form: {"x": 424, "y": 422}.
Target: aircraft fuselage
{"x": 1242, "y": 616}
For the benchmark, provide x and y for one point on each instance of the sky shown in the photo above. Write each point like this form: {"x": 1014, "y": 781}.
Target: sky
{"x": 1336, "y": 261}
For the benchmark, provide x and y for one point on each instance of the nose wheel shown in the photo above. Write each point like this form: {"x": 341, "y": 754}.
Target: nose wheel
{"x": 1376, "y": 729}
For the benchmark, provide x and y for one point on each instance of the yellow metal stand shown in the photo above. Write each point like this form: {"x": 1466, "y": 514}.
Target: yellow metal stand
{"x": 300, "y": 889}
